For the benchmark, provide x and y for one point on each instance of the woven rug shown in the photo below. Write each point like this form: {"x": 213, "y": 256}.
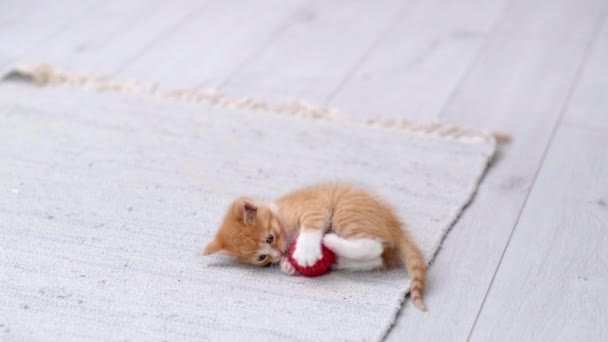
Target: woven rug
{"x": 108, "y": 198}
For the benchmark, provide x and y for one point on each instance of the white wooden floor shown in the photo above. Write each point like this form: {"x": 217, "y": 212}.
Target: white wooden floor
{"x": 528, "y": 261}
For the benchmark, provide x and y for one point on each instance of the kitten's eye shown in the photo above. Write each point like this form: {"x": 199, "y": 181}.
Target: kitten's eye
{"x": 269, "y": 239}
{"x": 262, "y": 257}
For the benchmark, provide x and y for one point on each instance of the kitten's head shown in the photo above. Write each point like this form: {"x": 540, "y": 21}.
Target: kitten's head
{"x": 250, "y": 233}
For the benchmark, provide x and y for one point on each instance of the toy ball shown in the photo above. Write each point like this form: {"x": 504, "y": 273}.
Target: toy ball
{"x": 321, "y": 267}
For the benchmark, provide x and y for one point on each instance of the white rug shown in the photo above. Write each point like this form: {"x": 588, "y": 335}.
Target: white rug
{"x": 107, "y": 199}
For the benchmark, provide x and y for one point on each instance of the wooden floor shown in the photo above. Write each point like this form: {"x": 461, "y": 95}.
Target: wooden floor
{"x": 528, "y": 261}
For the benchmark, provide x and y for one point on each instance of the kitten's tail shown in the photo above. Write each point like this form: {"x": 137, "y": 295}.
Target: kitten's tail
{"x": 416, "y": 268}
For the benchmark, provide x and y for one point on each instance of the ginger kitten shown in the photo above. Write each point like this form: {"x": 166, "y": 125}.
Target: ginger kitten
{"x": 360, "y": 228}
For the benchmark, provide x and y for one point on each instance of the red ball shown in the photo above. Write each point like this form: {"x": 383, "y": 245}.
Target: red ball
{"x": 319, "y": 268}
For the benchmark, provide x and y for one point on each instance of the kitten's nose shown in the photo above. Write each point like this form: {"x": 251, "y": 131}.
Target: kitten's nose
{"x": 275, "y": 253}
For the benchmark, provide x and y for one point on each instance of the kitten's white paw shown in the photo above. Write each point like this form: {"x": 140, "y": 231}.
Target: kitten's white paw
{"x": 308, "y": 248}
{"x": 287, "y": 267}
{"x": 307, "y": 255}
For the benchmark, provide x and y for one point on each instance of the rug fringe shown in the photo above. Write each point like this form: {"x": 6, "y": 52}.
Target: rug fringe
{"x": 45, "y": 74}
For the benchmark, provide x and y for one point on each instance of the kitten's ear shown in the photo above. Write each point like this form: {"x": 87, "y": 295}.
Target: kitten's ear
{"x": 250, "y": 211}
{"x": 213, "y": 247}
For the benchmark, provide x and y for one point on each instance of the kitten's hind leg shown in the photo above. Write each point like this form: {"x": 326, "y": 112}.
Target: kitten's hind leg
{"x": 354, "y": 249}
{"x": 343, "y": 263}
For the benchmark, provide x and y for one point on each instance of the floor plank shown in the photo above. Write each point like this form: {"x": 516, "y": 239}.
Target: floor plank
{"x": 551, "y": 285}
{"x": 556, "y": 20}
{"x": 27, "y": 23}
{"x": 210, "y": 46}
{"x": 417, "y": 65}
{"x": 105, "y": 39}
{"x": 313, "y": 55}
{"x": 520, "y": 85}
{"x": 588, "y": 106}
{"x": 555, "y": 263}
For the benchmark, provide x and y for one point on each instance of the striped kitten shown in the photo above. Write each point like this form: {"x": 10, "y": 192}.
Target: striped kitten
{"x": 360, "y": 228}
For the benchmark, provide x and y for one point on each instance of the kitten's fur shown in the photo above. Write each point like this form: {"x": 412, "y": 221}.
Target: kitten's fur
{"x": 360, "y": 228}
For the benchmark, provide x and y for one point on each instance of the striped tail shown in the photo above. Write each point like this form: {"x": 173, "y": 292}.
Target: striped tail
{"x": 416, "y": 268}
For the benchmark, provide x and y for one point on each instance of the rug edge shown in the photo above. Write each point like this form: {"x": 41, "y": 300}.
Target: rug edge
{"x": 42, "y": 74}
{"x": 454, "y": 218}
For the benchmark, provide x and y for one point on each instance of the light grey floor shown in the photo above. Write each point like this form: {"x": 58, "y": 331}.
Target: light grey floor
{"x": 529, "y": 258}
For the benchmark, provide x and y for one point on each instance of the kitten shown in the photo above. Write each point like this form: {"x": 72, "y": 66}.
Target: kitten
{"x": 360, "y": 228}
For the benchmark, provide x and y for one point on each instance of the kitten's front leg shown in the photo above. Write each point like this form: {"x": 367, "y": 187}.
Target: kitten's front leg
{"x": 308, "y": 247}
{"x": 313, "y": 224}
{"x": 286, "y": 266}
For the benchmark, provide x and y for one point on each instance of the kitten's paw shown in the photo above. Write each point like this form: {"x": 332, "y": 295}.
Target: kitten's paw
{"x": 287, "y": 267}
{"x": 307, "y": 252}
